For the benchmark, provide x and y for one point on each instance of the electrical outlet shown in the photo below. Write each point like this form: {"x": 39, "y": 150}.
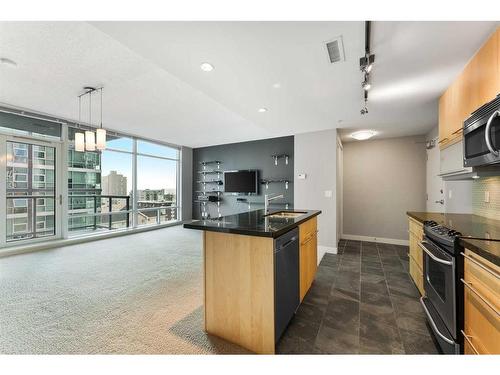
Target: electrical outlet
{"x": 486, "y": 197}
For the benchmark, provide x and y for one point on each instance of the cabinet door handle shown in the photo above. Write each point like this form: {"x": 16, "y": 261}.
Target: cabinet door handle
{"x": 473, "y": 290}
{"x": 468, "y": 338}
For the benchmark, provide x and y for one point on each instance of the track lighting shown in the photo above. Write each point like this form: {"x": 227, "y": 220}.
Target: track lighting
{"x": 366, "y": 66}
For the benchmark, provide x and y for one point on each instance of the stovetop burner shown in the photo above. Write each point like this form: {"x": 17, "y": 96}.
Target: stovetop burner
{"x": 443, "y": 236}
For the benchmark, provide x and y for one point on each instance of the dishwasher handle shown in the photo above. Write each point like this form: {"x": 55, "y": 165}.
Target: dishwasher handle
{"x": 293, "y": 239}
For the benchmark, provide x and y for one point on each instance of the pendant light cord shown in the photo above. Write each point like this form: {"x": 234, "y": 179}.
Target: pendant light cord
{"x": 90, "y": 108}
{"x": 101, "y": 107}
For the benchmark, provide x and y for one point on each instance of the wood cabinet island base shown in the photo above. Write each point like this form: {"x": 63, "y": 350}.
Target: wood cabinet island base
{"x": 239, "y": 289}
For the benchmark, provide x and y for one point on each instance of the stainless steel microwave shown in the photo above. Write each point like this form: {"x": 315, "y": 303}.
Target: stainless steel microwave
{"x": 482, "y": 135}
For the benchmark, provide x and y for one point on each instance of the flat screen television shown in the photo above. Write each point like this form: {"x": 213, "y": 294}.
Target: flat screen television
{"x": 241, "y": 182}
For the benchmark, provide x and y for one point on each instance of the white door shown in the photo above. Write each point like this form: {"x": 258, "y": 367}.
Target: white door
{"x": 30, "y": 190}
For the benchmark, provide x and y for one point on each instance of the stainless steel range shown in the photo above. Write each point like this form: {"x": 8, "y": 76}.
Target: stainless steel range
{"x": 443, "y": 300}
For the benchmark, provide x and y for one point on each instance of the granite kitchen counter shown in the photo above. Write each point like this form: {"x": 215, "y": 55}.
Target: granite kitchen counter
{"x": 254, "y": 223}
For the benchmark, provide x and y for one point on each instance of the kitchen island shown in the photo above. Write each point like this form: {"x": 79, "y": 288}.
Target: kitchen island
{"x": 257, "y": 268}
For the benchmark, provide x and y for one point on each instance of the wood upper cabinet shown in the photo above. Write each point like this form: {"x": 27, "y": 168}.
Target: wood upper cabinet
{"x": 308, "y": 255}
{"x": 476, "y": 85}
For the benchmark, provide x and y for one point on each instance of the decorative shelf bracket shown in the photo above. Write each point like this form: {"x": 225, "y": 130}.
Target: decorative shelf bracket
{"x": 276, "y": 157}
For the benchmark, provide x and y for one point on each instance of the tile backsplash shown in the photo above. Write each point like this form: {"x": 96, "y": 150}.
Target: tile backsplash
{"x": 479, "y": 206}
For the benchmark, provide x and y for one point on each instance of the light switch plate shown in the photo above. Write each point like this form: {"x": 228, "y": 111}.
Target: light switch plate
{"x": 449, "y": 194}
{"x": 328, "y": 193}
{"x": 486, "y": 197}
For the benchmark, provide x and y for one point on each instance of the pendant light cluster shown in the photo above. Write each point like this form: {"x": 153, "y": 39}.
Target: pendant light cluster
{"x": 90, "y": 140}
{"x": 366, "y": 65}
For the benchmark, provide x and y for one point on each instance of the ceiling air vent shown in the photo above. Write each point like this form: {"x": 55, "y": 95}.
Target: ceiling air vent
{"x": 335, "y": 50}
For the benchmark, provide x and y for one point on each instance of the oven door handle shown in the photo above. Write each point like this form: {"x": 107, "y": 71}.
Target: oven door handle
{"x": 434, "y": 326}
{"x": 439, "y": 260}
{"x": 487, "y": 133}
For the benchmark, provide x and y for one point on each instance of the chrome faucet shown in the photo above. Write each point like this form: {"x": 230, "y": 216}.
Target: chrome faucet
{"x": 268, "y": 198}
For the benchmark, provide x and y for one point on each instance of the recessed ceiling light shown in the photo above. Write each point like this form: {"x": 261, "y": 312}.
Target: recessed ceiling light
{"x": 276, "y": 85}
{"x": 262, "y": 110}
{"x": 6, "y": 61}
{"x": 206, "y": 67}
{"x": 363, "y": 135}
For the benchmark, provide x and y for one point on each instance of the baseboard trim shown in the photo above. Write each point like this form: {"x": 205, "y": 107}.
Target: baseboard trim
{"x": 322, "y": 250}
{"x": 391, "y": 241}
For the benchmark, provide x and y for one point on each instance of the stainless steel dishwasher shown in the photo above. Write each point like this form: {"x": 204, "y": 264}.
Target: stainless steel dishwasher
{"x": 286, "y": 280}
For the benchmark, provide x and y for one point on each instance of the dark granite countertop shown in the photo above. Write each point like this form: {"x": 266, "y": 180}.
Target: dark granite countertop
{"x": 253, "y": 223}
{"x": 489, "y": 250}
{"x": 479, "y": 234}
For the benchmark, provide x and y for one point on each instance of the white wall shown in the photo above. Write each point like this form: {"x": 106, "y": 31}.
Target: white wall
{"x": 316, "y": 156}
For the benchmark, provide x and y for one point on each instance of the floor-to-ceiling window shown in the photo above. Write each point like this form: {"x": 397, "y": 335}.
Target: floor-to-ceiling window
{"x": 111, "y": 196}
{"x": 157, "y": 180}
{"x": 132, "y": 183}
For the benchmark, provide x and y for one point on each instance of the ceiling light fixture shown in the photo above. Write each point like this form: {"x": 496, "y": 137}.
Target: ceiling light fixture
{"x": 366, "y": 85}
{"x": 8, "y": 62}
{"x": 363, "y": 135}
{"x": 206, "y": 67}
{"x": 262, "y": 110}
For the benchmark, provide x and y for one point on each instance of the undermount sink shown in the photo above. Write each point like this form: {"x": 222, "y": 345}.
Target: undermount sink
{"x": 286, "y": 214}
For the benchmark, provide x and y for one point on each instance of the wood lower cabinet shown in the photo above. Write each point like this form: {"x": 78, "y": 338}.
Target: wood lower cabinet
{"x": 416, "y": 233}
{"x": 476, "y": 85}
{"x": 481, "y": 305}
{"x": 308, "y": 254}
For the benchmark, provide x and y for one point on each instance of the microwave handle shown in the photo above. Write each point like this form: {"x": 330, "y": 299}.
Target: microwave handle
{"x": 487, "y": 133}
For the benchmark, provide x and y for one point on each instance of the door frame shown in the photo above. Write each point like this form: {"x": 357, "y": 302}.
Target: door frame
{"x": 58, "y": 194}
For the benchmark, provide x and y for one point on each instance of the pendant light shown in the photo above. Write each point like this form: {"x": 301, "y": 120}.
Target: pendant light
{"x": 79, "y": 137}
{"x": 90, "y": 141}
{"x": 101, "y": 133}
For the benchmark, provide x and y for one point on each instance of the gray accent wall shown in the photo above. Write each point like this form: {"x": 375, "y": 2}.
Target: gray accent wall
{"x": 383, "y": 179}
{"x": 246, "y": 155}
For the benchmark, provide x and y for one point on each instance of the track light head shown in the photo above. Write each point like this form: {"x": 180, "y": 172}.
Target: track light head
{"x": 366, "y": 61}
{"x": 364, "y": 110}
{"x": 366, "y": 85}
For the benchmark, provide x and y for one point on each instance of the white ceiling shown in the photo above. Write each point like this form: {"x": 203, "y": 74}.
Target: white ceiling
{"x": 154, "y": 86}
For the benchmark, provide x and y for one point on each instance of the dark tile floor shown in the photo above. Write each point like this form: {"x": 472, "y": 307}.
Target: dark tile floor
{"x": 361, "y": 302}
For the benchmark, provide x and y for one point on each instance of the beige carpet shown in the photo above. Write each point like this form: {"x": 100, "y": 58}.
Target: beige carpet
{"x": 137, "y": 294}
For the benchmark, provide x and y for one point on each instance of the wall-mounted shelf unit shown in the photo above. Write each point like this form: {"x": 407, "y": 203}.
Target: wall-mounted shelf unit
{"x": 276, "y": 157}
{"x": 267, "y": 181}
{"x": 216, "y": 171}
{"x": 218, "y": 182}
{"x": 204, "y": 192}
{"x": 210, "y": 162}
